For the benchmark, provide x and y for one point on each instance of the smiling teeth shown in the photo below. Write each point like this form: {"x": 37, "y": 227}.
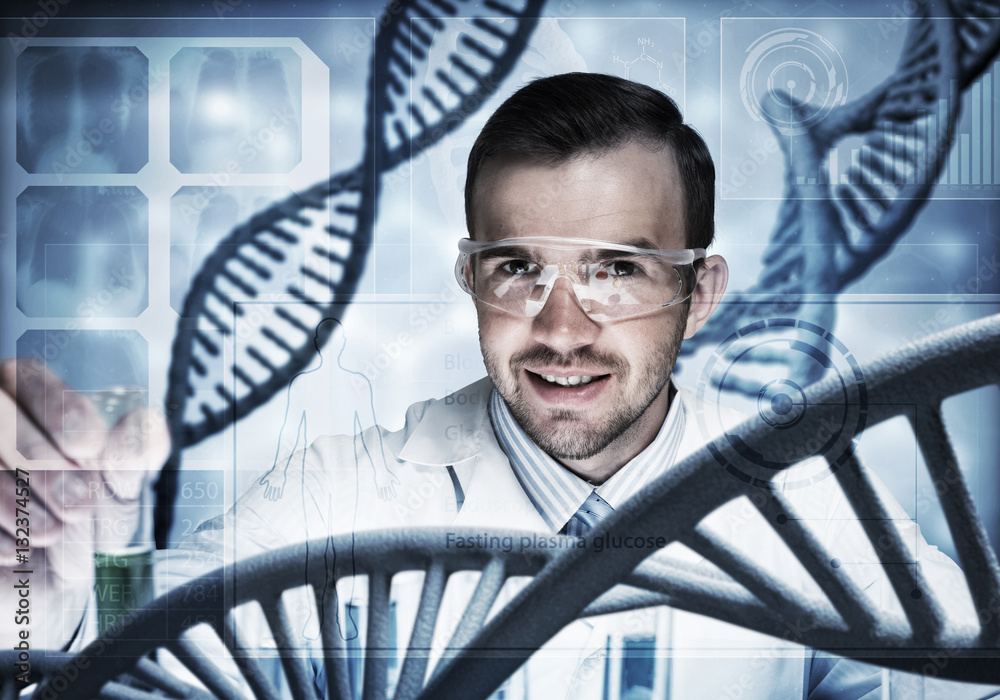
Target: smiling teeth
{"x": 567, "y": 381}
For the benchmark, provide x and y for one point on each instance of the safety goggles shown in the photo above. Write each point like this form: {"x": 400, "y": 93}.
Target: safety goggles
{"x": 611, "y": 281}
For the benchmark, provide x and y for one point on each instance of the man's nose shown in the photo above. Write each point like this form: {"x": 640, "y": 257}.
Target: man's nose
{"x": 562, "y": 324}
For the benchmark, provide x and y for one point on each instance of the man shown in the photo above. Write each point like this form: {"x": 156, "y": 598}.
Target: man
{"x": 589, "y": 205}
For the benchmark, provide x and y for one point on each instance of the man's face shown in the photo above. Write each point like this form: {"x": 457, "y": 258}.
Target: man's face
{"x": 631, "y": 196}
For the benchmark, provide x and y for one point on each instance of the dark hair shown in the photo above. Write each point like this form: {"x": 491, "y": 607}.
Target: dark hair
{"x": 555, "y": 119}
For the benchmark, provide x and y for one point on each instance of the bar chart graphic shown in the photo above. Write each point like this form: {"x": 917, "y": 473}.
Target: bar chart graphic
{"x": 972, "y": 165}
{"x": 900, "y": 154}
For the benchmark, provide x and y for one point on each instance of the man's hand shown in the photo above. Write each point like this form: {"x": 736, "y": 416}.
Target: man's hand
{"x": 69, "y": 483}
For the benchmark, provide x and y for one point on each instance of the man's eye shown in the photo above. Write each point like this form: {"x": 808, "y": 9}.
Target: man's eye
{"x": 622, "y": 268}
{"x": 518, "y": 267}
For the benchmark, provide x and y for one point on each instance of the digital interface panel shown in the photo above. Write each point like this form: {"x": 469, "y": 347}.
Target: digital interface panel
{"x": 136, "y": 151}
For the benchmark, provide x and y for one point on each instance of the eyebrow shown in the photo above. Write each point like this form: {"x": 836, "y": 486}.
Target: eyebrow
{"x": 507, "y": 251}
{"x": 644, "y": 243}
{"x": 597, "y": 252}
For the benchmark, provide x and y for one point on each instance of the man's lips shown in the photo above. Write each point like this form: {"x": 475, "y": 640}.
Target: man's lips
{"x": 580, "y": 387}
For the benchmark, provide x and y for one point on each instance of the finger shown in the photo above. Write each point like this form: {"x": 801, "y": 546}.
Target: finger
{"x": 50, "y": 491}
{"x": 73, "y": 579}
{"x": 65, "y": 419}
{"x": 37, "y": 505}
{"x": 136, "y": 447}
{"x": 70, "y": 561}
{"x": 60, "y": 580}
{"x": 69, "y": 580}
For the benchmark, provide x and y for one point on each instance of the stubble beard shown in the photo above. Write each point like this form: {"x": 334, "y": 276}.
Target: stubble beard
{"x": 565, "y": 433}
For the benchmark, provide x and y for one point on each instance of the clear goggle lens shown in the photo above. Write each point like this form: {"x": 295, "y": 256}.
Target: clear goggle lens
{"x": 611, "y": 281}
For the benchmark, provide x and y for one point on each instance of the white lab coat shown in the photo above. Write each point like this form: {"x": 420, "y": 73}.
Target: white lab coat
{"x": 330, "y": 490}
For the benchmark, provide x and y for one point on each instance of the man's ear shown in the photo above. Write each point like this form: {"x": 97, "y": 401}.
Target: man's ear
{"x": 712, "y": 280}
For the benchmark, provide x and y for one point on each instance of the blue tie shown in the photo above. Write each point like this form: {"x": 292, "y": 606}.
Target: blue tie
{"x": 594, "y": 510}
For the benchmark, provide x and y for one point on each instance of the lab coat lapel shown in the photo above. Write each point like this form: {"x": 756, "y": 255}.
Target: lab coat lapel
{"x": 456, "y": 432}
{"x": 450, "y": 430}
{"x": 493, "y": 496}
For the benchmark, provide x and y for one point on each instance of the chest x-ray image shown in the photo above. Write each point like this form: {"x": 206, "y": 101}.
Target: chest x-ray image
{"x": 82, "y": 251}
{"x": 239, "y": 105}
{"x": 82, "y": 109}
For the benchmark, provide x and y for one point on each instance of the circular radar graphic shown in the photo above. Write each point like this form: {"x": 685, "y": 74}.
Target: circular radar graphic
{"x": 787, "y": 68}
{"x": 768, "y": 360}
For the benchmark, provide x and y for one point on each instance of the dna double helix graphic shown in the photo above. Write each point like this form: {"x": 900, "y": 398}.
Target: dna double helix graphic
{"x": 300, "y": 260}
{"x": 820, "y": 245}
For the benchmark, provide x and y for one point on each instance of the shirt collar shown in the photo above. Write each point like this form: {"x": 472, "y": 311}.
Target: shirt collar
{"x": 555, "y": 491}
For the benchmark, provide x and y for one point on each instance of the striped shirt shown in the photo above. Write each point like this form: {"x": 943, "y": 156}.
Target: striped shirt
{"x": 555, "y": 491}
